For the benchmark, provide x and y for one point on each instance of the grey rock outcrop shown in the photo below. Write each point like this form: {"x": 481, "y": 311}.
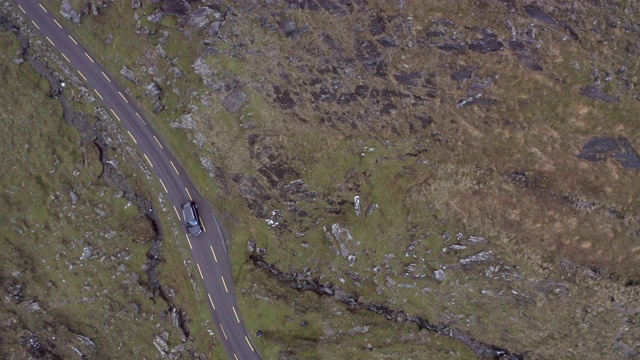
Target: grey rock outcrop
{"x": 129, "y": 75}
{"x": 67, "y": 10}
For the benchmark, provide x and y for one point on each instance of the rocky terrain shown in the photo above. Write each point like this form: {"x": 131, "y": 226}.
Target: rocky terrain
{"x": 404, "y": 179}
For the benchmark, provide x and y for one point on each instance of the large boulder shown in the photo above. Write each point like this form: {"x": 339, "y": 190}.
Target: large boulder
{"x": 67, "y": 10}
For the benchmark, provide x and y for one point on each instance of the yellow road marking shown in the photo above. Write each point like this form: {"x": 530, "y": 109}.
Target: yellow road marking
{"x": 246, "y": 338}
{"x": 101, "y": 98}
{"x": 34, "y": 23}
{"x": 235, "y": 313}
{"x": 189, "y": 241}
{"x": 66, "y": 58}
{"x": 89, "y": 57}
{"x": 105, "y": 76}
{"x": 75, "y": 42}
{"x": 190, "y": 198}
{"x": 45, "y": 10}
{"x": 201, "y": 223}
{"x": 114, "y": 114}
{"x": 50, "y": 41}
{"x": 177, "y": 214}
{"x": 165, "y": 188}
{"x": 57, "y": 23}
{"x": 22, "y": 9}
{"x": 145, "y": 156}
{"x": 124, "y": 98}
{"x": 200, "y": 270}
{"x": 158, "y": 142}
{"x": 85, "y": 79}
{"x": 134, "y": 139}
{"x": 211, "y": 301}
{"x": 174, "y": 167}
{"x": 225, "y": 284}
{"x": 214, "y": 254}
{"x": 224, "y": 333}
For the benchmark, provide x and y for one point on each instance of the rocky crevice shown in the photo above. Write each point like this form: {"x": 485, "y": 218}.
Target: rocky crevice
{"x": 481, "y": 349}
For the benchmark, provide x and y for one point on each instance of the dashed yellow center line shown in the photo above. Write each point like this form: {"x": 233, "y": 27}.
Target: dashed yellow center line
{"x": 101, "y": 98}
{"x": 190, "y": 198}
{"x": 65, "y": 57}
{"x": 114, "y": 114}
{"x": 124, "y": 98}
{"x": 165, "y": 188}
{"x": 189, "y": 241}
{"x": 177, "y": 213}
{"x": 174, "y": 168}
{"x": 36, "y": 25}
{"x": 105, "y": 76}
{"x": 145, "y": 156}
{"x": 224, "y": 333}
{"x": 235, "y": 313}
{"x": 50, "y": 41}
{"x": 211, "y": 301}
{"x": 85, "y": 79}
{"x": 158, "y": 141}
{"x": 214, "y": 254}
{"x": 57, "y": 23}
{"x": 134, "y": 139}
{"x": 45, "y": 10}
{"x": 200, "y": 271}
{"x": 201, "y": 223}
{"x": 22, "y": 9}
{"x": 72, "y": 39}
{"x": 89, "y": 57}
{"x": 249, "y": 343}
{"x": 225, "y": 284}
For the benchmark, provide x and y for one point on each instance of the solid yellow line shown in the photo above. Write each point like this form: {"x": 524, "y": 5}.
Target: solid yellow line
{"x": 101, "y": 98}
{"x": 200, "y": 270}
{"x": 45, "y": 10}
{"x": 190, "y": 198}
{"x": 177, "y": 214}
{"x": 214, "y": 254}
{"x": 73, "y": 40}
{"x": 189, "y": 241}
{"x": 114, "y": 114}
{"x": 224, "y": 333}
{"x": 57, "y": 23}
{"x": 246, "y": 338}
{"x": 85, "y": 79}
{"x": 105, "y": 76}
{"x": 158, "y": 142}
{"x": 65, "y": 56}
{"x": 145, "y": 156}
{"x": 165, "y": 188}
{"x": 224, "y": 283}
{"x": 134, "y": 139}
{"x": 174, "y": 167}
{"x": 89, "y": 57}
{"x": 22, "y": 9}
{"x": 211, "y": 301}
{"x": 235, "y": 313}
{"x": 124, "y": 98}
{"x": 34, "y": 23}
{"x": 50, "y": 41}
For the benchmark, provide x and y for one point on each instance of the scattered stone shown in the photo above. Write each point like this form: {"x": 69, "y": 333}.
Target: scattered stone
{"x": 619, "y": 149}
{"x": 356, "y": 202}
{"x": 214, "y": 29}
{"x": 251, "y": 245}
{"x": 233, "y": 101}
{"x": 161, "y": 345}
{"x": 408, "y": 79}
{"x": 161, "y": 51}
{"x": 129, "y": 75}
{"x": 596, "y": 93}
{"x": 74, "y": 197}
{"x": 460, "y": 75}
{"x": 200, "y": 17}
{"x": 156, "y": 16}
{"x": 67, "y": 10}
{"x": 135, "y": 4}
{"x": 482, "y": 256}
{"x": 186, "y": 122}
{"x": 86, "y": 252}
{"x": 489, "y": 43}
{"x": 178, "y": 348}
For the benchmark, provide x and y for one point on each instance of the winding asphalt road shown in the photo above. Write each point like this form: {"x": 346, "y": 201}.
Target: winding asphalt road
{"x": 208, "y": 249}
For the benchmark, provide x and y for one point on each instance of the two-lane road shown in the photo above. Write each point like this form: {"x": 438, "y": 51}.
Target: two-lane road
{"x": 208, "y": 249}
